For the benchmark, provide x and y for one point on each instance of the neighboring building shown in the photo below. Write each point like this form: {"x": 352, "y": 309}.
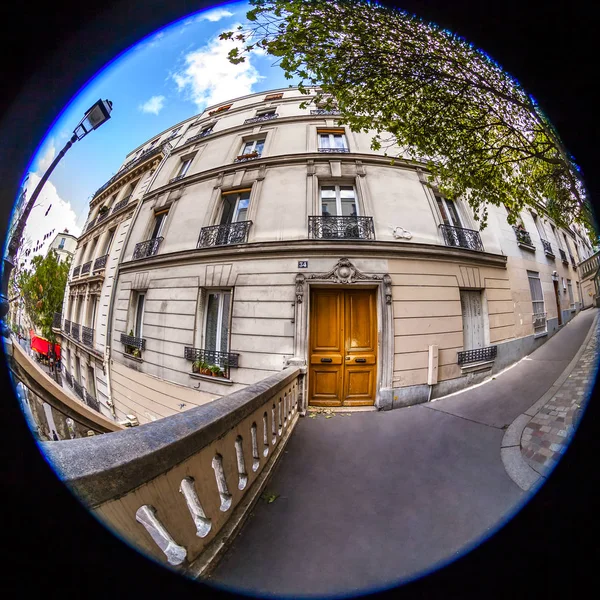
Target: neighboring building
{"x": 64, "y": 244}
{"x": 260, "y": 234}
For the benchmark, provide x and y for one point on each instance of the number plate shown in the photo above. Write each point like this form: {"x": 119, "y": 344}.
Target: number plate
{"x": 303, "y": 264}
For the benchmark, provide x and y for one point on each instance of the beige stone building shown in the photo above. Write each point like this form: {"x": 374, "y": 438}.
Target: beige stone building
{"x": 259, "y": 234}
{"x": 64, "y": 244}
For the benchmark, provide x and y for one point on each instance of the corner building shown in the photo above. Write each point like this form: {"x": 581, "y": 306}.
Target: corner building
{"x": 264, "y": 234}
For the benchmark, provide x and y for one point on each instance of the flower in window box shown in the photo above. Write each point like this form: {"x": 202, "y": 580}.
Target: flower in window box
{"x": 103, "y": 210}
{"x": 216, "y": 371}
{"x": 253, "y": 154}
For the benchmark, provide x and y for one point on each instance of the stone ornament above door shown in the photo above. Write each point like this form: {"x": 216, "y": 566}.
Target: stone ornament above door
{"x": 344, "y": 272}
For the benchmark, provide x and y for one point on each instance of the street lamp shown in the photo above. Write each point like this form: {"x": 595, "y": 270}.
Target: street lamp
{"x": 95, "y": 116}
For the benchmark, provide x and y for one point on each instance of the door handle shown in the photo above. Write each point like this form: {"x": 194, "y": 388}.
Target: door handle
{"x": 326, "y": 360}
{"x": 361, "y": 360}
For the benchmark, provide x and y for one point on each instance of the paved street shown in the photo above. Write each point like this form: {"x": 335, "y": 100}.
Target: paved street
{"x": 368, "y": 499}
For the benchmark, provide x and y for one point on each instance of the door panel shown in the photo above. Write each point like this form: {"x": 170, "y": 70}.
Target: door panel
{"x": 472, "y": 313}
{"x": 343, "y": 350}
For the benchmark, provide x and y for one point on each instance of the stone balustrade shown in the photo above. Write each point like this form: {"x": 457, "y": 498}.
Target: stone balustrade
{"x": 184, "y": 484}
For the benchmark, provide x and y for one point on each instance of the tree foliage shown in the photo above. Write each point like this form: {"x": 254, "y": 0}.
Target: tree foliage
{"x": 43, "y": 289}
{"x": 429, "y": 95}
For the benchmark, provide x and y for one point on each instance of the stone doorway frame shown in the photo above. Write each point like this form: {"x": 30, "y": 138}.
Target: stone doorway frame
{"x": 346, "y": 274}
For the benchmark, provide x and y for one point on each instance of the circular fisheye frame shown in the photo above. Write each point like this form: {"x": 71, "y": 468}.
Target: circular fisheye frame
{"x": 289, "y": 319}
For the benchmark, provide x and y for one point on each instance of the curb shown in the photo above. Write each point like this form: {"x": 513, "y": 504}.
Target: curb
{"x": 527, "y": 478}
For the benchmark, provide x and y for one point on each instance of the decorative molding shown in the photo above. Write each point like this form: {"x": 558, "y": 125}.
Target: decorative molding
{"x": 360, "y": 168}
{"x": 401, "y": 233}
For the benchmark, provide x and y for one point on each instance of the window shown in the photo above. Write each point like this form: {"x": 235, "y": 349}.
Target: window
{"x": 207, "y": 129}
{"x": 235, "y": 207}
{"x": 109, "y": 239}
{"x": 332, "y": 140}
{"x": 62, "y": 243}
{"x": 216, "y": 324}
{"x": 78, "y": 370}
{"x": 92, "y": 311}
{"x": 91, "y": 382}
{"x": 338, "y": 201}
{"x": 159, "y": 224}
{"x": 253, "y": 147}
{"x": 270, "y": 112}
{"x": 537, "y": 300}
{"x": 173, "y": 133}
{"x": 448, "y": 211}
{"x": 539, "y": 226}
{"x": 139, "y": 315}
{"x": 557, "y": 237}
{"x": 570, "y": 289}
{"x": 183, "y": 168}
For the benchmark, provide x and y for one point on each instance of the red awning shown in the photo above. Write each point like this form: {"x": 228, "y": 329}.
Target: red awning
{"x": 42, "y": 346}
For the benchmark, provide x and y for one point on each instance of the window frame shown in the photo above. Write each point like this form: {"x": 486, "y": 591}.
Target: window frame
{"x": 331, "y": 133}
{"x": 445, "y": 203}
{"x": 535, "y": 276}
{"x": 239, "y": 194}
{"x": 137, "y": 316}
{"x": 253, "y": 142}
{"x": 161, "y": 228}
{"x": 219, "y": 329}
{"x": 338, "y": 200}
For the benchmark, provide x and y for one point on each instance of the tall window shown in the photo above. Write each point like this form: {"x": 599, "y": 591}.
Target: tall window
{"x": 61, "y": 245}
{"x": 159, "y": 224}
{"x": 254, "y": 146}
{"x": 139, "y": 315}
{"x": 332, "y": 139}
{"x": 78, "y": 370}
{"x": 557, "y": 237}
{"x": 570, "y": 289}
{"x": 216, "y": 324}
{"x": 183, "y": 167}
{"x": 109, "y": 239}
{"x": 448, "y": 211}
{"x": 338, "y": 201}
{"x": 235, "y": 207}
{"x": 537, "y": 300}
{"x": 91, "y": 382}
{"x": 539, "y": 226}
{"x": 92, "y": 311}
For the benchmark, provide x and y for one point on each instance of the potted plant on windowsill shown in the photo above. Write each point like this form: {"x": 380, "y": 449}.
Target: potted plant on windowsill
{"x": 216, "y": 371}
{"x": 103, "y": 210}
{"x": 253, "y": 154}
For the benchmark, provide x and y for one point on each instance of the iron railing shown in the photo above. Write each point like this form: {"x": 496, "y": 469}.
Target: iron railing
{"x": 224, "y": 235}
{"x": 121, "y": 203}
{"x": 477, "y": 355}
{"x": 334, "y": 150}
{"x": 325, "y": 111}
{"x": 573, "y": 263}
{"x": 91, "y": 401}
{"x": 176, "y": 178}
{"x": 336, "y": 228}
{"x": 85, "y": 269}
{"x": 147, "y": 248}
{"x": 67, "y": 327}
{"x": 547, "y": 248}
{"x": 69, "y": 378}
{"x": 75, "y": 331}
{"x": 523, "y": 236}
{"x": 461, "y": 238}
{"x": 90, "y": 224}
{"x": 261, "y": 118}
{"x": 100, "y": 262}
{"x": 78, "y": 388}
{"x": 56, "y": 320}
{"x": 76, "y": 271}
{"x": 563, "y": 256}
{"x": 200, "y": 135}
{"x": 87, "y": 336}
{"x": 102, "y": 216}
{"x": 539, "y": 321}
{"x": 133, "y": 345}
{"x": 210, "y": 358}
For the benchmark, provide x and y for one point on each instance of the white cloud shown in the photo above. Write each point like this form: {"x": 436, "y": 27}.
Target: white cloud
{"x": 154, "y": 105}
{"x": 214, "y": 15}
{"x": 208, "y": 77}
{"x": 61, "y": 216}
{"x": 46, "y": 159}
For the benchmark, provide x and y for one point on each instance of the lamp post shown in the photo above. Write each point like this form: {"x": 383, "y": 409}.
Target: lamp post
{"x": 95, "y": 116}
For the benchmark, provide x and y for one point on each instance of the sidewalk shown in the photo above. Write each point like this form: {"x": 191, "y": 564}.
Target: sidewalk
{"x": 544, "y": 431}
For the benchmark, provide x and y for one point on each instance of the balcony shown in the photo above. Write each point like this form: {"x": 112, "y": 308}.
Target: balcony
{"x": 334, "y": 150}
{"x": 100, "y": 262}
{"x": 589, "y": 266}
{"x": 103, "y": 216}
{"x": 547, "y": 248}
{"x": 120, "y": 204}
{"x": 78, "y": 389}
{"x": 563, "y": 256}
{"x": 325, "y": 111}
{"x": 203, "y": 360}
{"x": 85, "y": 269}
{"x": 341, "y": 228}
{"x": 90, "y": 225}
{"x": 67, "y": 327}
{"x": 224, "y": 235}
{"x": 68, "y": 378}
{"x": 261, "y": 118}
{"x": 523, "y": 238}
{"x": 91, "y": 401}
{"x": 147, "y": 248}
{"x": 56, "y": 320}
{"x": 460, "y": 237}
{"x": 477, "y": 355}
{"x": 134, "y": 346}
{"x": 87, "y": 336}
{"x": 200, "y": 135}
{"x": 176, "y": 178}
{"x": 76, "y": 271}
{"x": 75, "y": 331}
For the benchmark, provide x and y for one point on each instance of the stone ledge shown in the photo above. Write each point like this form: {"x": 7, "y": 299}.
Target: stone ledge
{"x": 220, "y": 380}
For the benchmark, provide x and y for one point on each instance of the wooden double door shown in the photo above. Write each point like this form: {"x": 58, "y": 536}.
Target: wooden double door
{"x": 343, "y": 347}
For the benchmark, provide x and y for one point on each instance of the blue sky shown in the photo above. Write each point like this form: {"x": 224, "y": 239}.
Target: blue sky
{"x": 165, "y": 78}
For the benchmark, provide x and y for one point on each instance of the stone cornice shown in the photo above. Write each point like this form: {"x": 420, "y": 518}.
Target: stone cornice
{"x": 310, "y": 248}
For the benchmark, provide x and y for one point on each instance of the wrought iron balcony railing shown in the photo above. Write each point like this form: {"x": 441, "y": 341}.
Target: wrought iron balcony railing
{"x": 103, "y": 215}
{"x": 147, "y": 248}
{"x": 204, "y": 359}
{"x": 461, "y": 238}
{"x": 224, "y": 235}
{"x": 563, "y": 256}
{"x": 75, "y": 331}
{"x": 134, "y": 346}
{"x": 67, "y": 327}
{"x": 176, "y": 178}
{"x": 325, "y": 111}
{"x": 477, "y": 355}
{"x": 200, "y": 135}
{"x": 87, "y": 336}
{"x": 76, "y": 271}
{"x": 56, "y": 320}
{"x": 523, "y": 236}
{"x": 573, "y": 263}
{"x": 68, "y": 378}
{"x": 90, "y": 224}
{"x": 261, "y": 118}
{"x": 547, "y": 248}
{"x": 100, "y": 262}
{"x": 341, "y": 228}
{"x": 121, "y": 203}
{"x": 334, "y": 150}
{"x": 78, "y": 388}
{"x": 91, "y": 401}
{"x": 85, "y": 269}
